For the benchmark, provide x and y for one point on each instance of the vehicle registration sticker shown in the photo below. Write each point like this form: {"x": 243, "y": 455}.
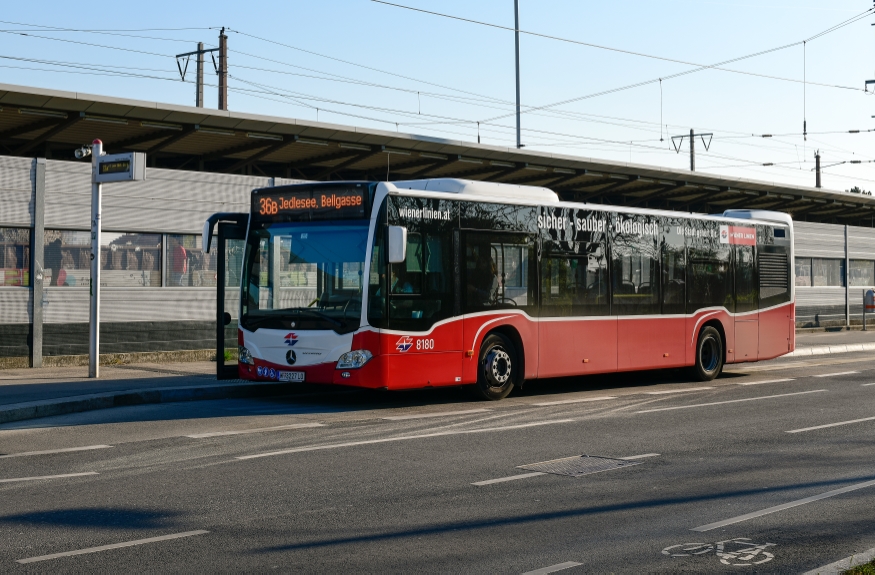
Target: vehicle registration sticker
{"x": 291, "y": 376}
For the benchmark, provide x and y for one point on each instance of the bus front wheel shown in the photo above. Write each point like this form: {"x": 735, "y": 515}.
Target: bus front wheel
{"x": 497, "y": 368}
{"x": 709, "y": 354}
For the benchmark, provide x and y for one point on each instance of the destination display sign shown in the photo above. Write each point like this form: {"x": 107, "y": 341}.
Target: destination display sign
{"x": 129, "y": 167}
{"x": 306, "y": 203}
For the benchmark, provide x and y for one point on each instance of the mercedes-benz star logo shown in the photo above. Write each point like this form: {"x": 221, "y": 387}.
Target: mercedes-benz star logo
{"x": 291, "y": 357}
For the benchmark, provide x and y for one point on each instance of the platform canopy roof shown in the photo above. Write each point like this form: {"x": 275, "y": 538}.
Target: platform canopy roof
{"x": 53, "y": 123}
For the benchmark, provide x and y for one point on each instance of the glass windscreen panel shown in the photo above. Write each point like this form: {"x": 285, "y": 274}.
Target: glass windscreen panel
{"x": 309, "y": 274}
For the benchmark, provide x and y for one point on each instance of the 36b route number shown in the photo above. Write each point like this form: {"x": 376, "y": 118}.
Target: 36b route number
{"x": 422, "y": 344}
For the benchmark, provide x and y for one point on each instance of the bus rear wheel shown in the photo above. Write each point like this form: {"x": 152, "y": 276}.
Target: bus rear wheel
{"x": 497, "y": 368}
{"x": 709, "y": 354}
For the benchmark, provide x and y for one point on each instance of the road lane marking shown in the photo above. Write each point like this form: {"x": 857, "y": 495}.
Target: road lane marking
{"x": 766, "y": 381}
{"x": 553, "y": 568}
{"x": 258, "y": 430}
{"x": 113, "y": 546}
{"x": 631, "y": 457}
{"x": 47, "y": 477}
{"x": 835, "y": 374}
{"x": 440, "y": 414}
{"x": 402, "y": 438}
{"x": 789, "y": 505}
{"x": 511, "y": 478}
{"x": 832, "y": 425}
{"x": 868, "y": 384}
{"x": 730, "y": 401}
{"x": 565, "y": 401}
{"x": 677, "y": 390}
{"x": 51, "y": 451}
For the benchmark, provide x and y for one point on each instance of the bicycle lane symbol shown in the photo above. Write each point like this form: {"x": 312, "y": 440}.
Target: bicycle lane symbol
{"x": 739, "y": 552}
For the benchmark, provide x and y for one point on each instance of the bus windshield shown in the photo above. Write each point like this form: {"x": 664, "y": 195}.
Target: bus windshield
{"x": 305, "y": 275}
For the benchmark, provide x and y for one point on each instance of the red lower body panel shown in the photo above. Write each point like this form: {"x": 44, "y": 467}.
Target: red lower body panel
{"x": 449, "y": 354}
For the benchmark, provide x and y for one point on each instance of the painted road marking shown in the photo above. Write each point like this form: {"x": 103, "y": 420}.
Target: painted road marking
{"x": 845, "y": 564}
{"x": 402, "y": 438}
{"x": 789, "y": 505}
{"x": 835, "y": 374}
{"x": 832, "y": 425}
{"x": 51, "y": 451}
{"x": 441, "y": 414}
{"x": 511, "y": 478}
{"x": 553, "y": 568}
{"x": 259, "y": 430}
{"x": 766, "y": 381}
{"x": 48, "y": 477}
{"x": 113, "y": 546}
{"x": 565, "y": 401}
{"x": 677, "y": 390}
{"x": 631, "y": 457}
{"x": 730, "y": 401}
{"x": 868, "y": 384}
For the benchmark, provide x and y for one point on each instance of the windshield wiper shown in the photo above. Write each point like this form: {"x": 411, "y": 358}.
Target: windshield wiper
{"x": 318, "y": 314}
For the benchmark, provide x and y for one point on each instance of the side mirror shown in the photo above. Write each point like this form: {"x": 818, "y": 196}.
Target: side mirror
{"x": 227, "y": 318}
{"x": 397, "y": 244}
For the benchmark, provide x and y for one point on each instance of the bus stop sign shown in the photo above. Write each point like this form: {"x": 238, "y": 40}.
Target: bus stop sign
{"x": 129, "y": 167}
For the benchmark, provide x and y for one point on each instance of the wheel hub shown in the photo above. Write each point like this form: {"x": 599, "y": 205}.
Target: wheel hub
{"x": 498, "y": 366}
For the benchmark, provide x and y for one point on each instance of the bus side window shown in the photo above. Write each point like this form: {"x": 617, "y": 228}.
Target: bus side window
{"x": 709, "y": 274}
{"x": 635, "y": 262}
{"x": 496, "y": 271}
{"x": 674, "y": 266}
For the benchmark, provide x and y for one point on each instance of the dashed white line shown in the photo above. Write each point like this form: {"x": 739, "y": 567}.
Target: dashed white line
{"x": 553, "y": 568}
{"x": 677, "y": 390}
{"x": 789, "y": 505}
{"x": 15, "y": 479}
{"x": 835, "y": 374}
{"x": 511, "y": 478}
{"x": 402, "y": 438}
{"x": 729, "y": 401}
{"x": 631, "y": 457}
{"x": 566, "y": 401}
{"x": 440, "y": 414}
{"x": 113, "y": 546}
{"x": 766, "y": 381}
{"x": 832, "y": 425}
{"x": 868, "y": 384}
{"x": 258, "y": 430}
{"x": 51, "y": 451}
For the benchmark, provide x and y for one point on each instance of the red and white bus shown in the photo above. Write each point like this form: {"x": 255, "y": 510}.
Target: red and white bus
{"x": 448, "y": 282}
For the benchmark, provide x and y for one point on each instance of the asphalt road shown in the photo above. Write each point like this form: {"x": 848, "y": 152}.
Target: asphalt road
{"x": 404, "y": 482}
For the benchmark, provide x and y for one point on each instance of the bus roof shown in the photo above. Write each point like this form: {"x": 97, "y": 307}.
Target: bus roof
{"x": 492, "y": 192}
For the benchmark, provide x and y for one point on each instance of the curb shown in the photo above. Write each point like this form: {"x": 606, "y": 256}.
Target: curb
{"x": 841, "y": 566}
{"x": 828, "y": 349}
{"x": 79, "y": 403}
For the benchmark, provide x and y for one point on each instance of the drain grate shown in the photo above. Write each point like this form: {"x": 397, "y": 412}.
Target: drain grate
{"x": 578, "y": 465}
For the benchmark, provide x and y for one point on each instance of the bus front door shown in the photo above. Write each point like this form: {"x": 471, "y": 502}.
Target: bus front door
{"x": 227, "y": 251}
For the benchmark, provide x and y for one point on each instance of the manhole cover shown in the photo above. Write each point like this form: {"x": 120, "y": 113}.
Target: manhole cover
{"x": 578, "y": 465}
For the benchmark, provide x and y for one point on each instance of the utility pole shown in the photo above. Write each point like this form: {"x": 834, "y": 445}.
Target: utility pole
{"x": 516, "y": 14}
{"x": 817, "y": 169}
{"x": 678, "y": 142}
{"x": 223, "y": 70}
{"x": 199, "y": 94}
{"x": 199, "y": 89}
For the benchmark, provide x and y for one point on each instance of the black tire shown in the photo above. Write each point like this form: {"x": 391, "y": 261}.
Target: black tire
{"x": 497, "y": 368}
{"x": 709, "y": 354}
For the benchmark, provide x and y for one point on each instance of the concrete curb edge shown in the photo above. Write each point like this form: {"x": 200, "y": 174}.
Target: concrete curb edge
{"x": 829, "y": 349}
{"x": 127, "y": 397}
{"x": 844, "y": 564}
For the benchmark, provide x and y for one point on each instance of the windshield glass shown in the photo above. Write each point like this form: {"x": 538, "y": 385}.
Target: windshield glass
{"x": 304, "y": 276}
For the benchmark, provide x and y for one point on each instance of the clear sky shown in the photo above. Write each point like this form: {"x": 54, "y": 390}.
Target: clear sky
{"x": 368, "y": 64}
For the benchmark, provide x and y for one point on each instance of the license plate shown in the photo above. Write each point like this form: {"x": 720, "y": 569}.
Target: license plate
{"x": 291, "y": 376}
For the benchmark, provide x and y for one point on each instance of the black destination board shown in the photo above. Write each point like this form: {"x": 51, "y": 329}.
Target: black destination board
{"x": 311, "y": 203}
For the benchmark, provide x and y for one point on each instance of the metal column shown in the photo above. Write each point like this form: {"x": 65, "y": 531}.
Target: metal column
{"x": 847, "y": 282}
{"x": 37, "y": 251}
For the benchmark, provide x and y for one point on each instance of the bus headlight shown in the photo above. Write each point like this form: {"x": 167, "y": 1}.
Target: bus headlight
{"x": 243, "y": 355}
{"x": 354, "y": 359}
